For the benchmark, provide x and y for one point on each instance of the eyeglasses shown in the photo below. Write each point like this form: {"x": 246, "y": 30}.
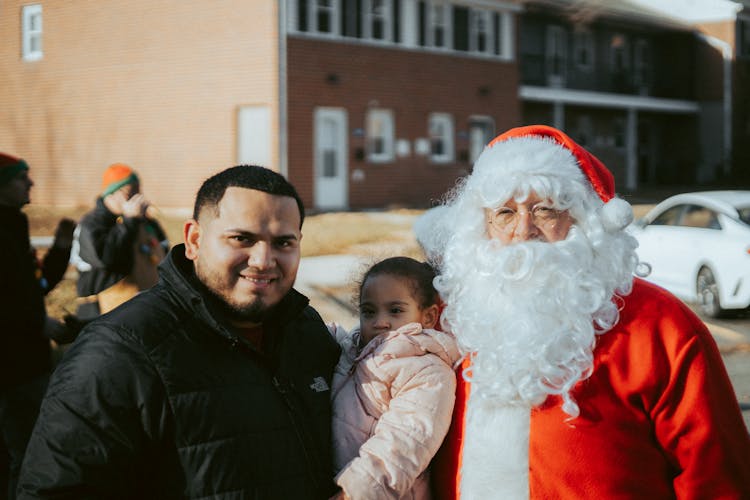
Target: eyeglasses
{"x": 542, "y": 216}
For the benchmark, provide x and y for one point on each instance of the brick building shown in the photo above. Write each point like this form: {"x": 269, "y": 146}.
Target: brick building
{"x": 361, "y": 103}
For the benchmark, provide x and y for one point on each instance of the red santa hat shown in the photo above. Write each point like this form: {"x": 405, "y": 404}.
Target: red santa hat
{"x": 544, "y": 150}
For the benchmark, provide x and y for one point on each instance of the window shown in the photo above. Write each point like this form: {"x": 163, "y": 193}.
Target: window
{"x": 380, "y": 135}
{"x": 480, "y": 32}
{"x": 315, "y": 16}
{"x": 31, "y": 30}
{"x": 324, "y": 18}
{"x": 441, "y": 137}
{"x": 481, "y": 132}
{"x": 642, "y": 63}
{"x": 438, "y": 20}
{"x": 700, "y": 217}
{"x": 668, "y": 218}
{"x": 556, "y": 55}
{"x": 377, "y": 20}
{"x": 618, "y": 49}
{"x": 583, "y": 49}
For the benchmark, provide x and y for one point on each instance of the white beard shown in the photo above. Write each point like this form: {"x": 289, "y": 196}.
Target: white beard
{"x": 527, "y": 314}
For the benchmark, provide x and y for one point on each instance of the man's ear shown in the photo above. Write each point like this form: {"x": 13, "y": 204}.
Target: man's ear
{"x": 192, "y": 234}
{"x": 430, "y": 316}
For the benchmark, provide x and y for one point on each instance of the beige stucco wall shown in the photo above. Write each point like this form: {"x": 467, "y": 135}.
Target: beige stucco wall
{"x": 152, "y": 83}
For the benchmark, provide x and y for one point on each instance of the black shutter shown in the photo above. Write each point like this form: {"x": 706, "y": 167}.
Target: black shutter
{"x": 461, "y": 28}
{"x": 302, "y": 15}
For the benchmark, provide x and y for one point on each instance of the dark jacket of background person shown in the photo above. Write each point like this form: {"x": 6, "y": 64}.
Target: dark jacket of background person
{"x": 138, "y": 406}
{"x": 24, "y": 349}
{"x": 106, "y": 243}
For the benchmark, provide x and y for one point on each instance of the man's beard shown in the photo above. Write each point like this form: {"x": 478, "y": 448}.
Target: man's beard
{"x": 528, "y": 313}
{"x": 251, "y": 312}
{"x": 254, "y": 312}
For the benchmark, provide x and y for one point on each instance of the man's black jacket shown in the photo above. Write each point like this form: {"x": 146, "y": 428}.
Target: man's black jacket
{"x": 157, "y": 399}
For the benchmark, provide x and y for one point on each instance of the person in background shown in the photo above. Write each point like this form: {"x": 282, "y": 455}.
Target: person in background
{"x": 25, "y": 328}
{"x": 215, "y": 383}
{"x": 117, "y": 240}
{"x": 581, "y": 381}
{"x": 393, "y": 389}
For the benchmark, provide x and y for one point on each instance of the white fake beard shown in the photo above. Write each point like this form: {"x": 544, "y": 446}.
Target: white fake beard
{"x": 528, "y": 313}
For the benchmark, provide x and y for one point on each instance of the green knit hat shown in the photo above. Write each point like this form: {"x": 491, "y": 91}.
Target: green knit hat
{"x": 9, "y": 167}
{"x": 116, "y": 176}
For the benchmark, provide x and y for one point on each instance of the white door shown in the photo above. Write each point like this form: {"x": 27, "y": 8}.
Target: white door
{"x": 254, "y": 136}
{"x": 330, "y": 146}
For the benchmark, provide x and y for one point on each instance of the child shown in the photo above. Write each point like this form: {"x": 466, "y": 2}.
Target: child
{"x": 393, "y": 389}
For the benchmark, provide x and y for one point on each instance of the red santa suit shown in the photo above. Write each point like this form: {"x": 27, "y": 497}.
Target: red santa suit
{"x": 658, "y": 419}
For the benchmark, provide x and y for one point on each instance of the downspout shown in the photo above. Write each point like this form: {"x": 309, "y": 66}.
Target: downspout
{"x": 726, "y": 52}
{"x": 282, "y": 130}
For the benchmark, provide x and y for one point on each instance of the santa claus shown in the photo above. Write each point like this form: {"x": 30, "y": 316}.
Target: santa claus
{"x": 579, "y": 380}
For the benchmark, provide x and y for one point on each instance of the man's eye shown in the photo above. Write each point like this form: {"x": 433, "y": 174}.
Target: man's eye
{"x": 504, "y": 215}
{"x": 545, "y": 213}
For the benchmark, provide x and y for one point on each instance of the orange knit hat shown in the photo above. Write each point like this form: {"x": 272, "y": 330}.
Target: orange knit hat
{"x": 116, "y": 176}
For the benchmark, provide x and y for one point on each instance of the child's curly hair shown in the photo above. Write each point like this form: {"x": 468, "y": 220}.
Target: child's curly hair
{"x": 419, "y": 276}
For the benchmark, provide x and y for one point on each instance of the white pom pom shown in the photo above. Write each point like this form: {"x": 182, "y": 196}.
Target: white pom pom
{"x": 432, "y": 230}
{"x": 616, "y": 214}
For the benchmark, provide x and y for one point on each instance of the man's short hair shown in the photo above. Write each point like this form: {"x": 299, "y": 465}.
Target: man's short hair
{"x": 248, "y": 177}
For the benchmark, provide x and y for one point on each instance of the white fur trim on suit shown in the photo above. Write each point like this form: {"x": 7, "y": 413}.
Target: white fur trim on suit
{"x": 496, "y": 451}
{"x": 528, "y": 157}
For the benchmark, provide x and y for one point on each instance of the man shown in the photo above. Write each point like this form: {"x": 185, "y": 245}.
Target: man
{"x": 580, "y": 381}
{"x": 214, "y": 383}
{"x": 25, "y": 329}
{"x": 112, "y": 239}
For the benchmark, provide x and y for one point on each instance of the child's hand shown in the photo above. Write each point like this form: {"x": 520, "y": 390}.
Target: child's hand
{"x": 340, "y": 495}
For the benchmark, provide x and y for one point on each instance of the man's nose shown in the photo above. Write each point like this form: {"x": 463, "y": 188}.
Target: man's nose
{"x": 261, "y": 255}
{"x": 525, "y": 227}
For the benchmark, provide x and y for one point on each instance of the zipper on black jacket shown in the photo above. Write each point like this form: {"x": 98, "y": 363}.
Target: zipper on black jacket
{"x": 304, "y": 438}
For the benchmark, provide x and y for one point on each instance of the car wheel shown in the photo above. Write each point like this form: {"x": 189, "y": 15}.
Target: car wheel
{"x": 708, "y": 293}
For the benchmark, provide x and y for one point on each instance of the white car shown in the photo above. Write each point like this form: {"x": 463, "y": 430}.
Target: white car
{"x": 697, "y": 246}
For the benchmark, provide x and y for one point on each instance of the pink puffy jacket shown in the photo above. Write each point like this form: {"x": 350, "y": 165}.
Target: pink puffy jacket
{"x": 392, "y": 406}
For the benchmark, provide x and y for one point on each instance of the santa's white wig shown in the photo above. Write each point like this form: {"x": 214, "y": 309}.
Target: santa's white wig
{"x": 528, "y": 313}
